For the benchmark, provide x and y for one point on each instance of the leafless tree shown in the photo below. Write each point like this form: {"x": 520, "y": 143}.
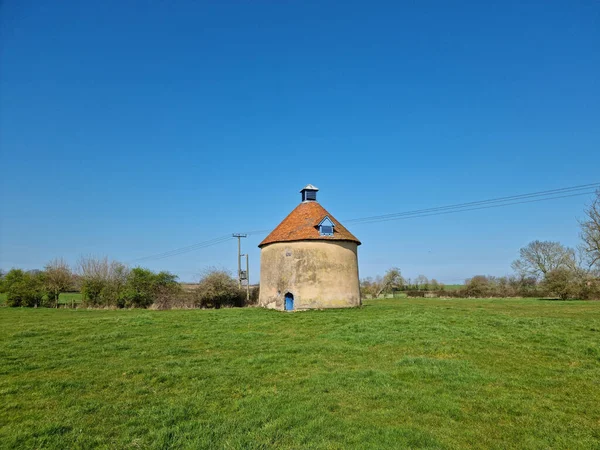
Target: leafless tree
{"x": 590, "y": 233}
{"x": 369, "y": 286}
{"x": 101, "y": 277}
{"x": 540, "y": 257}
{"x": 100, "y": 268}
{"x": 58, "y": 278}
{"x": 391, "y": 280}
{"x": 422, "y": 282}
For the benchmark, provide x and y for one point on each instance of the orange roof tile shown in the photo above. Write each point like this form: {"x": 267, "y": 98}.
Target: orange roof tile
{"x": 301, "y": 224}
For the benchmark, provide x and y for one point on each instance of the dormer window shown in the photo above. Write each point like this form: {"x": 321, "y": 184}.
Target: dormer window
{"x": 309, "y": 193}
{"x": 326, "y": 227}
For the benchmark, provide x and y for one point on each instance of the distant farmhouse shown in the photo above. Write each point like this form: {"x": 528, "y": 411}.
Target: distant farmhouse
{"x": 309, "y": 261}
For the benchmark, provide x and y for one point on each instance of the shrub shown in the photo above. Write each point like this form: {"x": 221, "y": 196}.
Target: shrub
{"x": 572, "y": 284}
{"x": 590, "y": 288}
{"x": 218, "y": 288}
{"x": 24, "y": 288}
{"x": 112, "y": 284}
{"x": 143, "y": 287}
{"x": 102, "y": 282}
{"x": 58, "y": 278}
{"x": 369, "y": 287}
{"x": 416, "y": 294}
{"x": 478, "y": 286}
{"x": 563, "y": 283}
{"x": 168, "y": 299}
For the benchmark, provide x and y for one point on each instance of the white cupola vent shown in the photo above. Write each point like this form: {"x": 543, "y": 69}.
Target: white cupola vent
{"x": 309, "y": 193}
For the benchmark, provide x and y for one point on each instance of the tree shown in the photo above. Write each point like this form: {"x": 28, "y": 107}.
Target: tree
{"x": 540, "y": 257}
{"x": 23, "y": 288}
{"x": 369, "y": 286}
{"x": 144, "y": 286}
{"x": 392, "y": 280}
{"x": 422, "y": 282}
{"x": 102, "y": 281}
{"x": 2, "y": 275}
{"x": 590, "y": 233}
{"x": 435, "y": 284}
{"x": 58, "y": 278}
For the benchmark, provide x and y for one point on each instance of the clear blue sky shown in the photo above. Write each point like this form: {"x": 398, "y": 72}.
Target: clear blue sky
{"x": 133, "y": 128}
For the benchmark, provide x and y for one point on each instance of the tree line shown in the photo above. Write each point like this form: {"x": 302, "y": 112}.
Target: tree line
{"x": 111, "y": 284}
{"x": 544, "y": 268}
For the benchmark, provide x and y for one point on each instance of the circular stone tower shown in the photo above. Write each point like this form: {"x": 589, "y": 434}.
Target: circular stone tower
{"x": 309, "y": 261}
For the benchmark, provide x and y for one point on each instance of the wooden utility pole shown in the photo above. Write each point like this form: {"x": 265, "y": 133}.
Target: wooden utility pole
{"x": 239, "y": 236}
{"x": 247, "y": 281}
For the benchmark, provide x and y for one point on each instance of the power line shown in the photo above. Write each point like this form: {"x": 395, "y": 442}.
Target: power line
{"x": 189, "y": 248}
{"x": 533, "y": 197}
{"x": 440, "y": 213}
{"x": 497, "y": 202}
{"x": 480, "y": 202}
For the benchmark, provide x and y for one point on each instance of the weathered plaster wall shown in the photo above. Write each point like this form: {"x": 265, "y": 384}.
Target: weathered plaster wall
{"x": 320, "y": 274}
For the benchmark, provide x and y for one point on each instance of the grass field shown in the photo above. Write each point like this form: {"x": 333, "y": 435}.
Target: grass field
{"x": 453, "y": 287}
{"x": 421, "y": 373}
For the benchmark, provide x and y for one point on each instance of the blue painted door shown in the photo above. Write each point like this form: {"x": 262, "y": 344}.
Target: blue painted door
{"x": 289, "y": 302}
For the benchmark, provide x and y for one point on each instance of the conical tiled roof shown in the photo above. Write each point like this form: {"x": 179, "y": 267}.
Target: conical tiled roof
{"x": 301, "y": 224}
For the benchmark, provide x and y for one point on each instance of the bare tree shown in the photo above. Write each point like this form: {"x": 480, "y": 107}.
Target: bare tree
{"x": 391, "y": 280}
{"x": 58, "y": 278}
{"x": 422, "y": 282}
{"x": 101, "y": 280}
{"x": 368, "y": 287}
{"x": 590, "y": 233}
{"x": 540, "y": 257}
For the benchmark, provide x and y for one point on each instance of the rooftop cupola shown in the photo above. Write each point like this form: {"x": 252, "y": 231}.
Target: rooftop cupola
{"x": 309, "y": 193}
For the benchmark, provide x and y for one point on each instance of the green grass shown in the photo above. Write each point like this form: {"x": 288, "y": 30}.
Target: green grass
{"x": 453, "y": 287}
{"x": 69, "y": 298}
{"x": 419, "y": 373}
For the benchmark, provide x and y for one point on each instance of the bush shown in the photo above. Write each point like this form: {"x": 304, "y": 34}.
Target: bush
{"x": 102, "y": 282}
{"x": 143, "y": 287}
{"x": 168, "y": 299}
{"x": 369, "y": 287}
{"x": 590, "y": 289}
{"x": 572, "y": 284}
{"x": 496, "y": 287}
{"x": 24, "y": 288}
{"x": 112, "y": 284}
{"x": 416, "y": 294}
{"x": 563, "y": 283}
{"x": 217, "y": 288}
{"x": 58, "y": 278}
{"x": 478, "y": 286}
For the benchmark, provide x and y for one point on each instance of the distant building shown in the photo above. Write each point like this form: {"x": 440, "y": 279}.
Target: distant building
{"x": 309, "y": 261}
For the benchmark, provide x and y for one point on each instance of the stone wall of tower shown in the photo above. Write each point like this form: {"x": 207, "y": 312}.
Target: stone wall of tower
{"x": 318, "y": 273}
